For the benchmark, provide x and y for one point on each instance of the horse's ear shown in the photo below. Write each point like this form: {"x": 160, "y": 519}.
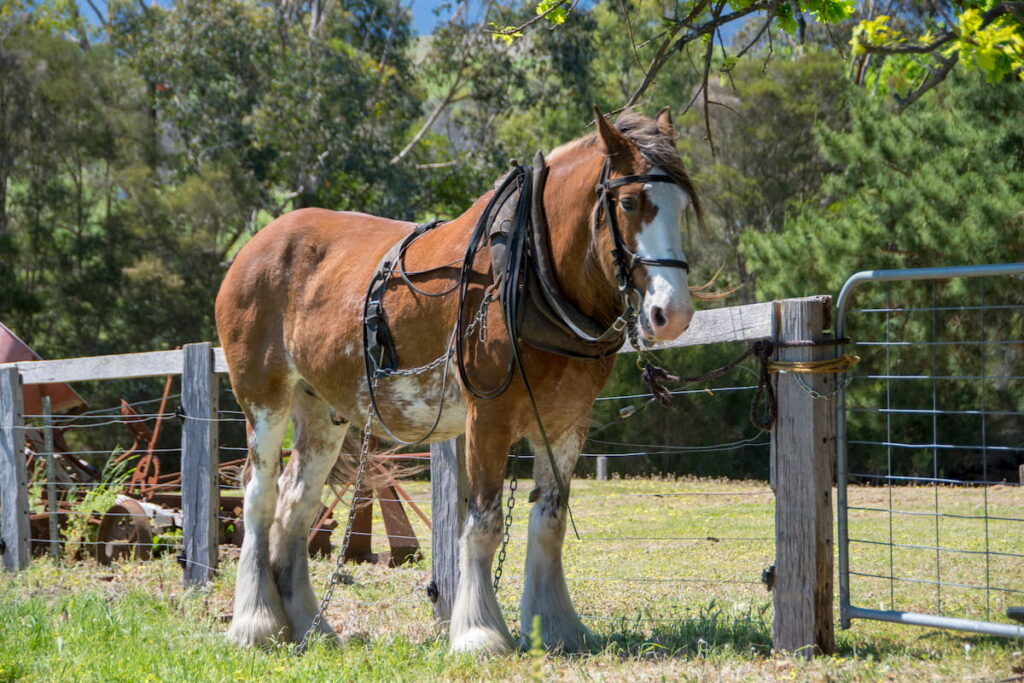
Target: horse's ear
{"x": 612, "y": 141}
{"x": 665, "y": 122}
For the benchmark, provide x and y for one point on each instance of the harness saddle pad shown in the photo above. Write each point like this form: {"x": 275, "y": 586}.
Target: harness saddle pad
{"x": 547, "y": 319}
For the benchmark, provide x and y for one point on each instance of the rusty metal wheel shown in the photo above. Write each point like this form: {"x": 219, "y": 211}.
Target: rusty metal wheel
{"x": 125, "y": 533}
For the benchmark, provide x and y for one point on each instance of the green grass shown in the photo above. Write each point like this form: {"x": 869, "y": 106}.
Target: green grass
{"x": 133, "y": 622}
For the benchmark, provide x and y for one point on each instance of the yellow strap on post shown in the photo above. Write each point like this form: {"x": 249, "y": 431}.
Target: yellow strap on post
{"x": 828, "y": 365}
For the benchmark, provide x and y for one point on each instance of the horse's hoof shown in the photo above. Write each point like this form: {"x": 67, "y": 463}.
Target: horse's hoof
{"x": 324, "y": 631}
{"x": 258, "y": 629}
{"x": 482, "y": 640}
{"x": 585, "y": 641}
{"x": 575, "y": 641}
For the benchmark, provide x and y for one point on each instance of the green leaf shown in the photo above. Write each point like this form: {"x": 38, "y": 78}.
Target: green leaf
{"x": 506, "y": 34}
{"x": 830, "y": 11}
{"x": 785, "y": 19}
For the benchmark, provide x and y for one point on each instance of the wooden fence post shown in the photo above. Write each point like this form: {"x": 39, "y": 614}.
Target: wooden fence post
{"x": 448, "y": 491}
{"x": 200, "y": 493}
{"x": 802, "y": 455}
{"x": 14, "y": 529}
{"x": 51, "y": 480}
{"x": 602, "y": 468}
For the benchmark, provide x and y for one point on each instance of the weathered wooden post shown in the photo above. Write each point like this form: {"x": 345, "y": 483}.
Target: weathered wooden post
{"x": 200, "y": 497}
{"x": 14, "y": 529}
{"x": 448, "y": 499}
{"x": 602, "y": 468}
{"x": 51, "y": 479}
{"x": 802, "y": 453}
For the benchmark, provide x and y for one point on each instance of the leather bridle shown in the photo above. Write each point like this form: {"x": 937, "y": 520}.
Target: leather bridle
{"x": 624, "y": 259}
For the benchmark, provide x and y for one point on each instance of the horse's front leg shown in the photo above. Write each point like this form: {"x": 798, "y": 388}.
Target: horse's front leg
{"x": 300, "y": 487}
{"x": 477, "y": 624}
{"x": 259, "y": 616}
{"x": 545, "y": 593}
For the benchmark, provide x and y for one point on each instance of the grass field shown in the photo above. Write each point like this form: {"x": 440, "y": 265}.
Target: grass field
{"x": 667, "y": 575}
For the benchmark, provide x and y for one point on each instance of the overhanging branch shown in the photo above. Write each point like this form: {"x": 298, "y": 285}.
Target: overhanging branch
{"x": 668, "y": 46}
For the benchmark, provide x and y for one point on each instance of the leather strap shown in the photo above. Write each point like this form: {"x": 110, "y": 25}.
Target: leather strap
{"x": 626, "y": 260}
{"x": 630, "y": 179}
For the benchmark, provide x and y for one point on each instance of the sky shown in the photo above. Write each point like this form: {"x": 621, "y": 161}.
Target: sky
{"x": 423, "y": 18}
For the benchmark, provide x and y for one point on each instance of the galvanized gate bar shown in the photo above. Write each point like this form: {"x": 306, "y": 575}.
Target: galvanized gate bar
{"x": 935, "y": 621}
{"x": 847, "y": 612}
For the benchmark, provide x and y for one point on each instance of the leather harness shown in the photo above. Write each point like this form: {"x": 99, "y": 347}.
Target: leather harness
{"x": 514, "y": 227}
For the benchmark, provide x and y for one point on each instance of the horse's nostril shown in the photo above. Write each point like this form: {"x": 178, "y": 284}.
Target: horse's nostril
{"x": 658, "y": 316}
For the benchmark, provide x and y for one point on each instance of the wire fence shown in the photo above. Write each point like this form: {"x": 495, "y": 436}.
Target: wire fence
{"x": 90, "y": 476}
{"x": 96, "y": 518}
{"x": 934, "y": 450}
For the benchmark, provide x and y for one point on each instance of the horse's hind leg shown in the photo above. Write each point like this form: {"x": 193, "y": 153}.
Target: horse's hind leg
{"x": 259, "y": 616}
{"x": 545, "y": 593}
{"x": 318, "y": 442}
{"x": 477, "y": 624}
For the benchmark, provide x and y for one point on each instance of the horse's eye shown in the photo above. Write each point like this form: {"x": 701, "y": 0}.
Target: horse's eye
{"x": 629, "y": 204}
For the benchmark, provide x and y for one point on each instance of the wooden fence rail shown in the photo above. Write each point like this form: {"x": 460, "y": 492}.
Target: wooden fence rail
{"x": 802, "y": 451}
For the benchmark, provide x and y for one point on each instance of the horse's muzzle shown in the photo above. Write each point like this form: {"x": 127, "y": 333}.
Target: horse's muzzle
{"x": 665, "y": 322}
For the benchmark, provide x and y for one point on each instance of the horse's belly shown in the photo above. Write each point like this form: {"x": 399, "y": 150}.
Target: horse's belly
{"x": 410, "y": 405}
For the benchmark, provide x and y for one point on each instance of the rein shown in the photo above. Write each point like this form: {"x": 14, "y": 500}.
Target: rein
{"x": 511, "y": 295}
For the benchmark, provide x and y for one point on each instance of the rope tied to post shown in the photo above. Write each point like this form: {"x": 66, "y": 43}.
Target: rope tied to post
{"x": 764, "y": 405}
{"x": 812, "y": 367}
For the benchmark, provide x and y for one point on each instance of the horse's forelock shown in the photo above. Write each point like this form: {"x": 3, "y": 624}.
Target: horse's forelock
{"x": 659, "y": 150}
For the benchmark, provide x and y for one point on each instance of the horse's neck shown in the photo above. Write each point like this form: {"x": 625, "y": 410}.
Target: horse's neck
{"x": 580, "y": 268}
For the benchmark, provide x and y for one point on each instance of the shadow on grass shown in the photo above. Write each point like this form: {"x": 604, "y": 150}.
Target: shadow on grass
{"x": 915, "y": 641}
{"x": 713, "y": 629}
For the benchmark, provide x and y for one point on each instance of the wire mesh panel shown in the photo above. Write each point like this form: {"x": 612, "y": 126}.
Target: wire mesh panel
{"x": 664, "y": 554}
{"x": 92, "y": 475}
{"x": 931, "y": 507}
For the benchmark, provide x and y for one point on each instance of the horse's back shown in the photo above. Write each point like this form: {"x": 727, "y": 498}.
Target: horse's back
{"x": 298, "y": 281}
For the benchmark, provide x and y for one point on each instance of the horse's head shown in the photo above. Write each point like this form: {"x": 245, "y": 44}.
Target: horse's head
{"x": 642, "y": 195}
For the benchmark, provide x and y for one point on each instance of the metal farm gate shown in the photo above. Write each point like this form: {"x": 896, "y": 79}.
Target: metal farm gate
{"x": 930, "y": 446}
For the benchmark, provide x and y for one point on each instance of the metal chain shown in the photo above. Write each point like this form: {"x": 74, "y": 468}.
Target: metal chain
{"x": 337, "y": 576}
{"x": 479, "y": 321}
{"x": 513, "y": 484}
{"x": 383, "y": 373}
{"x": 815, "y": 394}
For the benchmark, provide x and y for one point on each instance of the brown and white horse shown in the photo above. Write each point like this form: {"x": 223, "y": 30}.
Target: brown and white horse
{"x": 290, "y": 314}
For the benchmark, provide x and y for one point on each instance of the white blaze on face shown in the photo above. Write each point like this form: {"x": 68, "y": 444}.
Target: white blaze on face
{"x": 667, "y": 308}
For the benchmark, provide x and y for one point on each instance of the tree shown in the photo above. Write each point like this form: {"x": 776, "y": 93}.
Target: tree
{"x": 763, "y": 116}
{"x": 925, "y": 43}
{"x": 918, "y": 55}
{"x": 939, "y": 185}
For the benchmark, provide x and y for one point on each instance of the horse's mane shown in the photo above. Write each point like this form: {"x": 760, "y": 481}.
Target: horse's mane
{"x": 659, "y": 150}
{"x": 656, "y": 147}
